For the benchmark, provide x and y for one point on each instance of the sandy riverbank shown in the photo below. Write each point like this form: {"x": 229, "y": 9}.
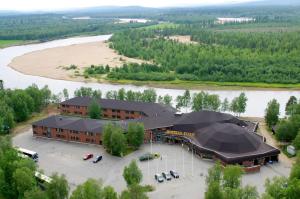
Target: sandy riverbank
{"x": 50, "y": 62}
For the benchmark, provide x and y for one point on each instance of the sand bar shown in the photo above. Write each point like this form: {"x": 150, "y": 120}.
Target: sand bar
{"x": 50, "y": 62}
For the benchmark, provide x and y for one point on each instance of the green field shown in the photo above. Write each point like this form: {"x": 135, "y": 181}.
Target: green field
{"x": 7, "y": 43}
{"x": 211, "y": 85}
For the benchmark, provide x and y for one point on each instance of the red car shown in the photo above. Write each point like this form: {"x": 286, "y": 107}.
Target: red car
{"x": 88, "y": 156}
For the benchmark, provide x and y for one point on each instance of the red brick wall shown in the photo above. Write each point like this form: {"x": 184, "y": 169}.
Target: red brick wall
{"x": 68, "y": 135}
{"x": 252, "y": 169}
{"x": 74, "y": 110}
{"x": 107, "y": 113}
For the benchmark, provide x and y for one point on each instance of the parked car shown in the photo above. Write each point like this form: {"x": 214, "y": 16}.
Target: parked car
{"x": 88, "y": 156}
{"x": 98, "y": 158}
{"x": 166, "y": 175}
{"x": 147, "y": 156}
{"x": 159, "y": 177}
{"x": 174, "y": 174}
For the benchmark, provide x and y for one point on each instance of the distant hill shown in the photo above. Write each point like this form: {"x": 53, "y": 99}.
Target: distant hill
{"x": 273, "y": 2}
{"x": 112, "y": 9}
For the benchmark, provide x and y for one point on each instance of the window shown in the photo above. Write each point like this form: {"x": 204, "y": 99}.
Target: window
{"x": 118, "y": 116}
{"x": 118, "y": 111}
{"x": 132, "y": 112}
{"x": 105, "y": 115}
{"x": 34, "y": 132}
{"x": 127, "y": 112}
{"x": 104, "y": 109}
{"x": 113, "y": 110}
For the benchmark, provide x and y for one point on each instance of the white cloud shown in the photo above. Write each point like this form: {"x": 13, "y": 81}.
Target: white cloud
{"x": 66, "y": 4}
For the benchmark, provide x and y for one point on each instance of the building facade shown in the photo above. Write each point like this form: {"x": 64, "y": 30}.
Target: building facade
{"x": 113, "y": 109}
{"x": 208, "y": 134}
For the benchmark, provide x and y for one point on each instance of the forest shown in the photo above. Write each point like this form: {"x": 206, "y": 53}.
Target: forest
{"x": 219, "y": 55}
{"x": 45, "y": 27}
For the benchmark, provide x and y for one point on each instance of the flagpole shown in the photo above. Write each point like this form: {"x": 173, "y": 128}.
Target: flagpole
{"x": 183, "y": 160}
{"x": 192, "y": 161}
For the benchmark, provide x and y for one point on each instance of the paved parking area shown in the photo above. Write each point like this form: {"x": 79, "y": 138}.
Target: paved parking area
{"x": 66, "y": 158}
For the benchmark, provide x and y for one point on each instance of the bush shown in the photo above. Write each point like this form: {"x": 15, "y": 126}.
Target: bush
{"x": 296, "y": 141}
{"x": 285, "y": 131}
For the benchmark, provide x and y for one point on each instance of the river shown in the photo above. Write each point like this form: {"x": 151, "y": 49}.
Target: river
{"x": 257, "y": 99}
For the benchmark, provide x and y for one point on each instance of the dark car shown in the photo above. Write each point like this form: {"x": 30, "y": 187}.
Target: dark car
{"x": 98, "y": 158}
{"x": 159, "y": 177}
{"x": 147, "y": 156}
{"x": 88, "y": 156}
{"x": 174, "y": 174}
{"x": 166, "y": 175}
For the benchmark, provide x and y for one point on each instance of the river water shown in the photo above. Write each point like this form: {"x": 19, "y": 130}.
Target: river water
{"x": 257, "y": 99}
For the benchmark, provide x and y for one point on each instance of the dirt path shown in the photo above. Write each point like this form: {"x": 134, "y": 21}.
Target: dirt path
{"x": 263, "y": 130}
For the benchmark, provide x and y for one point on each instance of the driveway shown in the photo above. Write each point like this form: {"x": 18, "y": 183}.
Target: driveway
{"x": 66, "y": 158}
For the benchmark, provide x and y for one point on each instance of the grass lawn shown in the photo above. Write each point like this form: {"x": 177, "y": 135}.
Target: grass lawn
{"x": 206, "y": 84}
{"x": 7, "y": 43}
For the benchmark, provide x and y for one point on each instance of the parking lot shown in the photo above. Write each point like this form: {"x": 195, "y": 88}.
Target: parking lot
{"x": 66, "y": 158}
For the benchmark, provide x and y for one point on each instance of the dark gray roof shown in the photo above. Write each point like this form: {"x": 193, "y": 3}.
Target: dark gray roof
{"x": 227, "y": 137}
{"x": 232, "y": 143}
{"x": 77, "y": 124}
{"x": 208, "y": 117}
{"x": 193, "y": 121}
{"x": 150, "y": 109}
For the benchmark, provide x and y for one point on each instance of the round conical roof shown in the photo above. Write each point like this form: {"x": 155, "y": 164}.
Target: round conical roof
{"x": 228, "y": 138}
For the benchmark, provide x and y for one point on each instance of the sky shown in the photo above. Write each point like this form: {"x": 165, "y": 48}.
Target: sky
{"x": 30, "y": 5}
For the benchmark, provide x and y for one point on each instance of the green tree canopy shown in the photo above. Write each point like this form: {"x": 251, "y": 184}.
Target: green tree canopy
{"x": 58, "y": 188}
{"x": 91, "y": 189}
{"x": 114, "y": 139}
{"x": 289, "y": 107}
{"x": 118, "y": 142}
{"x": 35, "y": 193}
{"x": 94, "y": 110}
{"x": 132, "y": 174}
{"x": 135, "y": 134}
{"x": 23, "y": 180}
{"x": 109, "y": 193}
{"x": 272, "y": 113}
{"x": 239, "y": 104}
{"x": 296, "y": 141}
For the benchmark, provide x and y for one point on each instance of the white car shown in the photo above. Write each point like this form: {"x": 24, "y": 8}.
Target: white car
{"x": 174, "y": 174}
{"x": 159, "y": 177}
{"x": 166, "y": 175}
